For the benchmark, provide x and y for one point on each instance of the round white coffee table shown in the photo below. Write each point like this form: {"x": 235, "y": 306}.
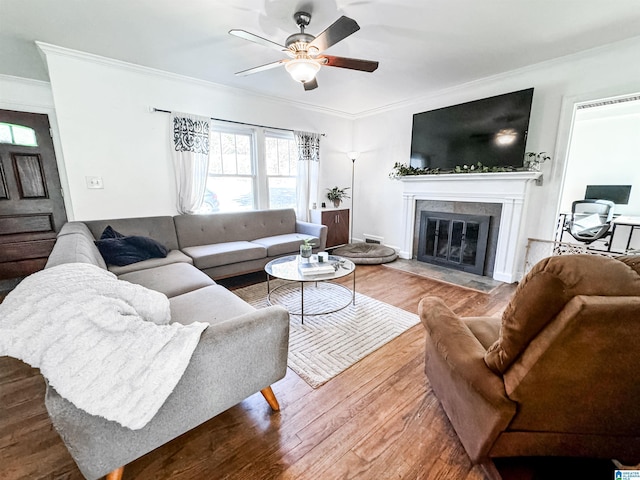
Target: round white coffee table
{"x": 293, "y": 268}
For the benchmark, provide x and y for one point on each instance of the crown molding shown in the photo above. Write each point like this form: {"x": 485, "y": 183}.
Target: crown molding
{"x": 24, "y": 80}
{"x": 572, "y": 57}
{"x": 39, "y": 98}
{"x": 49, "y": 49}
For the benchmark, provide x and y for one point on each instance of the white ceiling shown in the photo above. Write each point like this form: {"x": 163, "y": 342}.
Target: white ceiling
{"x": 423, "y": 46}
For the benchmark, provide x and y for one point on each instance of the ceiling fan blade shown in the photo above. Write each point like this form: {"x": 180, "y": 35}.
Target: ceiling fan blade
{"x": 261, "y": 68}
{"x": 310, "y": 85}
{"x": 256, "y": 39}
{"x": 351, "y": 63}
{"x": 338, "y": 30}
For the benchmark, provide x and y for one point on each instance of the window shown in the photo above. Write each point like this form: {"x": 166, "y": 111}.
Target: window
{"x": 250, "y": 169}
{"x": 231, "y": 183}
{"x": 282, "y": 168}
{"x": 17, "y": 135}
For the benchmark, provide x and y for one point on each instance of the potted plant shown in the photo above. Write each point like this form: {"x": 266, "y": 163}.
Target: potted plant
{"x": 533, "y": 160}
{"x": 306, "y": 248}
{"x": 336, "y": 195}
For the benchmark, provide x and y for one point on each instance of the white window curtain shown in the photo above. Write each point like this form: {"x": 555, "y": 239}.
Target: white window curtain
{"x": 308, "y": 168}
{"x": 190, "y": 153}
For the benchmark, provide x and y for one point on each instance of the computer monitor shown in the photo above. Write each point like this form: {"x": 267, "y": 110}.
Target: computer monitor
{"x": 618, "y": 194}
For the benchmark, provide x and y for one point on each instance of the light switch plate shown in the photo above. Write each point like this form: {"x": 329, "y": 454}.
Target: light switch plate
{"x": 94, "y": 182}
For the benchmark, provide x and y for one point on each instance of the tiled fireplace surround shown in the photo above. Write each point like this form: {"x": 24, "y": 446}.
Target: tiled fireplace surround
{"x": 502, "y": 195}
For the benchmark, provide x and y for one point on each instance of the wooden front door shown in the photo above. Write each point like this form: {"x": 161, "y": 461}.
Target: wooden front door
{"x": 31, "y": 205}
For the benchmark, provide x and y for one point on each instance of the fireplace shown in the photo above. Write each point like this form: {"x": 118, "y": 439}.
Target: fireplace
{"x": 489, "y": 212}
{"x": 501, "y": 196}
{"x": 454, "y": 240}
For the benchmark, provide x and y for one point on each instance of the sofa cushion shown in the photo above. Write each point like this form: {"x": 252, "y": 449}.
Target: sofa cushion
{"x": 161, "y": 229}
{"x": 71, "y": 228}
{"x": 174, "y": 256}
{"x": 193, "y": 230}
{"x": 75, "y": 245}
{"x": 174, "y": 279}
{"x": 283, "y": 244}
{"x": 211, "y": 305}
{"x": 207, "y": 256}
{"x": 544, "y": 292}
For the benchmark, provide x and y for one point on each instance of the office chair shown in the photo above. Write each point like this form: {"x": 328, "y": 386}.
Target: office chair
{"x": 590, "y": 219}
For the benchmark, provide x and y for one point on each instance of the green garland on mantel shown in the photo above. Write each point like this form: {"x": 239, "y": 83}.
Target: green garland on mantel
{"x": 532, "y": 160}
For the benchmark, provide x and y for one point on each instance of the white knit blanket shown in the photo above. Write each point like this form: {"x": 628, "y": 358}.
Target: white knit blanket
{"x": 104, "y": 344}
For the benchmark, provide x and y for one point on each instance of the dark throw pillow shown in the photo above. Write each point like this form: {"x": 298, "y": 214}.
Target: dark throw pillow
{"x": 109, "y": 232}
{"x": 120, "y": 250}
{"x": 149, "y": 245}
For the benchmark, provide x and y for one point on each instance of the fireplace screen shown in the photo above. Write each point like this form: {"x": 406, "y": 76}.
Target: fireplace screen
{"x": 454, "y": 240}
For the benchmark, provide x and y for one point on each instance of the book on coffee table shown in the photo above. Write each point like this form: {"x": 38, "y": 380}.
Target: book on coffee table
{"x": 315, "y": 268}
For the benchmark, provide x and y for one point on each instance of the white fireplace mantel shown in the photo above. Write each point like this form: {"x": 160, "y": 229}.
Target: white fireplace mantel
{"x": 510, "y": 189}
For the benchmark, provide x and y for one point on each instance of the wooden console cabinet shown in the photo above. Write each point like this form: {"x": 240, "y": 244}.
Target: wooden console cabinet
{"x": 337, "y": 222}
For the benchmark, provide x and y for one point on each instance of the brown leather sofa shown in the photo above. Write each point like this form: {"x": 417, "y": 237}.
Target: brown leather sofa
{"x": 557, "y": 375}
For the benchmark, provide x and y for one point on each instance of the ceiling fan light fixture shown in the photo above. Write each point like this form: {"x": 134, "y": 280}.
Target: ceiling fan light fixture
{"x": 306, "y": 51}
{"x": 302, "y": 69}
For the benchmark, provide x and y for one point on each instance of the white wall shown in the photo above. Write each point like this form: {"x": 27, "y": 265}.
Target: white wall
{"x": 107, "y": 130}
{"x": 384, "y": 137}
{"x": 604, "y": 150}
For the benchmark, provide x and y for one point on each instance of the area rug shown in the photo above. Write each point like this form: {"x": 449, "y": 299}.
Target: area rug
{"x": 326, "y": 345}
{"x": 446, "y": 275}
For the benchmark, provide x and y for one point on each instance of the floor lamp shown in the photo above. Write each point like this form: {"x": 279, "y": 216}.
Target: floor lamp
{"x": 353, "y": 156}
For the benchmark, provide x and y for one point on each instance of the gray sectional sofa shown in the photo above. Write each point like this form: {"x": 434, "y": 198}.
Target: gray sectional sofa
{"x": 242, "y": 351}
{"x": 228, "y": 244}
{"x": 220, "y": 244}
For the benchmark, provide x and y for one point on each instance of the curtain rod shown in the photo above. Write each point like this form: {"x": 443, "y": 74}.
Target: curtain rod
{"x": 239, "y": 123}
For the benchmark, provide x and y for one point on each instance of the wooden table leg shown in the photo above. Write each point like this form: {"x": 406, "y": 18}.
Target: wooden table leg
{"x": 271, "y": 399}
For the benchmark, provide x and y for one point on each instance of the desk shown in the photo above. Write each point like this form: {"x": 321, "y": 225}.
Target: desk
{"x": 625, "y": 234}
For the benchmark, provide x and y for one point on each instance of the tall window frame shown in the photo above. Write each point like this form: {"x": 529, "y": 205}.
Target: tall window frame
{"x": 246, "y": 185}
{"x": 281, "y": 162}
{"x": 232, "y": 176}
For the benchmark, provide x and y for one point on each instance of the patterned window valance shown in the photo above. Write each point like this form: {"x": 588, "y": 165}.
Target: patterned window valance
{"x": 190, "y": 135}
{"x": 308, "y": 146}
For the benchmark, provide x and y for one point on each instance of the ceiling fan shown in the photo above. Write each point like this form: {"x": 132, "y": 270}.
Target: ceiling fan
{"x": 305, "y": 50}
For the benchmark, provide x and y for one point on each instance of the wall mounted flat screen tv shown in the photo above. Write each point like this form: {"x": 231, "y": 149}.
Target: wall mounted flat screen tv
{"x": 618, "y": 194}
{"x": 492, "y": 131}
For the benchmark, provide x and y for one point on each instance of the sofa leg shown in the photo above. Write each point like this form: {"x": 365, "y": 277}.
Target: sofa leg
{"x": 116, "y": 474}
{"x": 271, "y": 399}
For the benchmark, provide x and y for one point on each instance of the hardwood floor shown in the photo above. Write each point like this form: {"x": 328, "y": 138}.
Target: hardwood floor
{"x": 377, "y": 420}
